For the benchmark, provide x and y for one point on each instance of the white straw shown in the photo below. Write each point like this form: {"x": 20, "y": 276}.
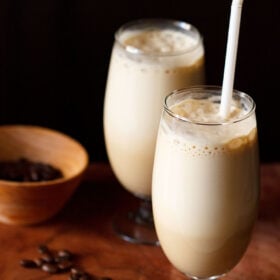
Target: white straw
{"x": 230, "y": 62}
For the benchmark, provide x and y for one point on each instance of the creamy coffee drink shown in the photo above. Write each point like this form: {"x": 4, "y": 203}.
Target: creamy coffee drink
{"x": 205, "y": 182}
{"x": 148, "y": 61}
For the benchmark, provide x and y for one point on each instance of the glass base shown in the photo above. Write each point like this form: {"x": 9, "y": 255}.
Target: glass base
{"x": 138, "y": 226}
{"x": 206, "y": 278}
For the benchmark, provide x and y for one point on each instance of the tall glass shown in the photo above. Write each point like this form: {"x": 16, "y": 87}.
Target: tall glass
{"x": 150, "y": 58}
{"x": 205, "y": 181}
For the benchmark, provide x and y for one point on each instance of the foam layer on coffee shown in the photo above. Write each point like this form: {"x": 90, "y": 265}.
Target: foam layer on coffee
{"x": 168, "y": 47}
{"x": 211, "y": 129}
{"x": 158, "y": 41}
{"x": 206, "y": 111}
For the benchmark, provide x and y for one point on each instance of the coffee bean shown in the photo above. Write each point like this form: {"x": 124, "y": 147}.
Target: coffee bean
{"x": 73, "y": 277}
{"x": 25, "y": 170}
{"x": 43, "y": 249}
{"x": 39, "y": 262}
{"x": 65, "y": 266}
{"x": 57, "y": 259}
{"x": 48, "y": 258}
{"x": 77, "y": 274}
{"x": 85, "y": 277}
{"x": 76, "y": 271}
{"x": 50, "y": 268}
{"x": 58, "y": 262}
{"x": 65, "y": 254}
{"x": 28, "y": 263}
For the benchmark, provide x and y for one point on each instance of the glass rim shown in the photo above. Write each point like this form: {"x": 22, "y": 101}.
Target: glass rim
{"x": 153, "y": 22}
{"x": 212, "y": 89}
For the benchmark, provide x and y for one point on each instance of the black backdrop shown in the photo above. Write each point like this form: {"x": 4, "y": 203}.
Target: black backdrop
{"x": 54, "y": 58}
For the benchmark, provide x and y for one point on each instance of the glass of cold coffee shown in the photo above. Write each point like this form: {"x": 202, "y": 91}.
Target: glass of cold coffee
{"x": 205, "y": 181}
{"x": 150, "y": 58}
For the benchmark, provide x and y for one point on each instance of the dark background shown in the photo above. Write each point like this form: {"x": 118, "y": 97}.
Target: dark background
{"x": 54, "y": 58}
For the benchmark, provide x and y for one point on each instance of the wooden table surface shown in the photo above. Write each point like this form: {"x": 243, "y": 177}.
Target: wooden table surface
{"x": 83, "y": 226}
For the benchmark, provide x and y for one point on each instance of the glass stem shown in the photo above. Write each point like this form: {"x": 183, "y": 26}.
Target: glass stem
{"x": 144, "y": 214}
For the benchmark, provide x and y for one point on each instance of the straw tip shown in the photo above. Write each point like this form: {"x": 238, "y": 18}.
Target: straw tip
{"x": 237, "y": 2}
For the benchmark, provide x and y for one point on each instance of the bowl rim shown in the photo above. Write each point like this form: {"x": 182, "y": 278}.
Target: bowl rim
{"x": 49, "y": 183}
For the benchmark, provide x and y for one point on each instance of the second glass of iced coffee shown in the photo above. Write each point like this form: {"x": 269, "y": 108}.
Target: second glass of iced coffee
{"x": 150, "y": 58}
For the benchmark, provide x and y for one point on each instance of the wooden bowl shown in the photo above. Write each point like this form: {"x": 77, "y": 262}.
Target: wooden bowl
{"x": 24, "y": 203}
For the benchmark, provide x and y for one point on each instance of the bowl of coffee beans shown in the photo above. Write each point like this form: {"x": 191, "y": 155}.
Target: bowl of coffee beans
{"x": 40, "y": 169}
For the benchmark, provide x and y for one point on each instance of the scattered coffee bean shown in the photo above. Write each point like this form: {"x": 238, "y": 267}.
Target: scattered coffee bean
{"x": 79, "y": 274}
{"x": 48, "y": 258}
{"x": 50, "y": 268}
{"x": 43, "y": 249}
{"x": 73, "y": 277}
{"x": 76, "y": 271}
{"x": 85, "y": 277}
{"x": 65, "y": 254}
{"x": 61, "y": 261}
{"x": 39, "y": 262}
{"x": 65, "y": 266}
{"x": 28, "y": 263}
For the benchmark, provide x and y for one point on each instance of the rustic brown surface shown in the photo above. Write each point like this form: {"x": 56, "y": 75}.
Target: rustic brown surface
{"x": 84, "y": 227}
